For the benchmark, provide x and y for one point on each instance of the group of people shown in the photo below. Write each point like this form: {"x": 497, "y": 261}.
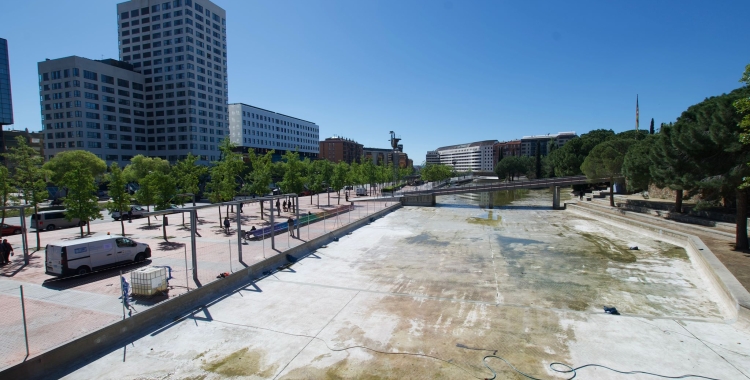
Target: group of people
{"x": 6, "y": 251}
{"x": 286, "y": 206}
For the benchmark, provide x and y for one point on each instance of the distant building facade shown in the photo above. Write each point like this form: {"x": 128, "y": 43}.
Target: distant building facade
{"x": 339, "y": 149}
{"x": 433, "y": 158}
{"x": 262, "y": 130}
{"x": 97, "y": 106}
{"x": 380, "y": 156}
{"x": 33, "y": 139}
{"x": 475, "y": 157}
{"x": 506, "y": 149}
{"x": 528, "y": 143}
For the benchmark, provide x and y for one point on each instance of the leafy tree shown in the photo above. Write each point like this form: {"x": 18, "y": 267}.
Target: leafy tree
{"x": 259, "y": 178}
{"x": 637, "y": 164}
{"x": 25, "y": 166}
{"x": 139, "y": 168}
{"x": 338, "y": 180}
{"x": 742, "y": 105}
{"x": 709, "y": 134}
{"x": 119, "y": 196}
{"x": 651, "y": 128}
{"x": 141, "y": 165}
{"x": 294, "y": 180}
{"x": 80, "y": 201}
{"x": 513, "y": 166}
{"x": 6, "y": 189}
{"x": 369, "y": 173}
{"x": 670, "y": 167}
{"x": 224, "y": 174}
{"x": 64, "y": 162}
{"x": 606, "y": 160}
{"x": 355, "y": 174}
{"x": 567, "y": 159}
{"x": 435, "y": 172}
{"x": 188, "y": 175}
{"x": 146, "y": 195}
{"x": 326, "y": 176}
{"x": 315, "y": 178}
{"x": 165, "y": 189}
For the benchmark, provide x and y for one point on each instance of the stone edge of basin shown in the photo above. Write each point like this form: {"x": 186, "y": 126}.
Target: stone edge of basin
{"x": 735, "y": 298}
{"x": 69, "y": 356}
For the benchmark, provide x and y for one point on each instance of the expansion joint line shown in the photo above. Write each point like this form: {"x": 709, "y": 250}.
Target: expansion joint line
{"x": 494, "y": 269}
{"x": 714, "y": 351}
{"x": 316, "y": 335}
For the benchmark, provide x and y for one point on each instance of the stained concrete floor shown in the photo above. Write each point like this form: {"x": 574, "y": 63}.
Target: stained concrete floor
{"x": 426, "y": 293}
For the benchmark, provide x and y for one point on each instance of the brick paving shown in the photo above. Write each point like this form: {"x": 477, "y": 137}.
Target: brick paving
{"x": 92, "y": 301}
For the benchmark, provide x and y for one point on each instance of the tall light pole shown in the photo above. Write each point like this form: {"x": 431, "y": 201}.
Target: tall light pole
{"x": 394, "y": 156}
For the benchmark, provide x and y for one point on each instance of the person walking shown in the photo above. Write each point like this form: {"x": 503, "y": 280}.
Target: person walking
{"x": 130, "y": 215}
{"x": 290, "y": 223}
{"x": 3, "y": 261}
{"x": 7, "y": 251}
{"x": 285, "y": 206}
{"x": 278, "y": 208}
{"x": 226, "y": 225}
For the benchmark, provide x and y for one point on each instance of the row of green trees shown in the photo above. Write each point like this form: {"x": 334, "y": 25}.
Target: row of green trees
{"x": 705, "y": 151}
{"x": 161, "y": 184}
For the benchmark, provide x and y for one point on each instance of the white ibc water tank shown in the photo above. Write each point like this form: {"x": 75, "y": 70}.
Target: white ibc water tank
{"x": 148, "y": 281}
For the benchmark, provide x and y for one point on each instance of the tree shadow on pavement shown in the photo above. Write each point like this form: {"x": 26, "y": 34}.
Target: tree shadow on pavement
{"x": 149, "y": 228}
{"x": 170, "y": 246}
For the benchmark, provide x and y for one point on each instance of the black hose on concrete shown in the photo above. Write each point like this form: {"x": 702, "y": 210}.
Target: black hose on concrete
{"x": 565, "y": 368}
{"x": 568, "y": 369}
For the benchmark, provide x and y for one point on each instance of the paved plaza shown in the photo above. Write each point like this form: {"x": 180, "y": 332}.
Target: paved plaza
{"x": 427, "y": 293}
{"x": 93, "y": 300}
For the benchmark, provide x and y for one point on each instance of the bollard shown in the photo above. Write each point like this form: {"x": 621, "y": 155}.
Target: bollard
{"x": 187, "y": 282}
{"x": 25, "y": 330}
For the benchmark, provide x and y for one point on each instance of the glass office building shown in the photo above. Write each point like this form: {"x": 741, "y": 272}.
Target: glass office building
{"x": 6, "y": 105}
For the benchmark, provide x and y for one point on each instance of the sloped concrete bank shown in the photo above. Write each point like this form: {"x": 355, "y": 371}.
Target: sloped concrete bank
{"x": 733, "y": 297}
{"x": 71, "y": 355}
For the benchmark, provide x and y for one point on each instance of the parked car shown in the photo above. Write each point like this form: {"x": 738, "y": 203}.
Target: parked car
{"x": 136, "y": 212}
{"x": 85, "y": 255}
{"x": 9, "y": 229}
{"x": 172, "y": 208}
{"x": 361, "y": 191}
{"x": 52, "y": 220}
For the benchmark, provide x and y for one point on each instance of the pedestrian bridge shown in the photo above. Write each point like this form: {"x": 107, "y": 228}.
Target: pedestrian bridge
{"x": 427, "y": 197}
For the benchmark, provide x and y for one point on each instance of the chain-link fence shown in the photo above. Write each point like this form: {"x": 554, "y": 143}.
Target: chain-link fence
{"x": 60, "y": 309}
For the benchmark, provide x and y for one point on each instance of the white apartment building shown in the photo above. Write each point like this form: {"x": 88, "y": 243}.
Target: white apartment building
{"x": 180, "y": 47}
{"x": 90, "y": 105}
{"x": 256, "y": 128}
{"x": 475, "y": 157}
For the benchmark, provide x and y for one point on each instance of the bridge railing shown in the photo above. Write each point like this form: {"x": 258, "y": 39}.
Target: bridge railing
{"x": 509, "y": 185}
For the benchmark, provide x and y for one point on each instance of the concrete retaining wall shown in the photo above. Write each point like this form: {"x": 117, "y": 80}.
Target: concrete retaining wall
{"x": 58, "y": 361}
{"x": 733, "y": 297}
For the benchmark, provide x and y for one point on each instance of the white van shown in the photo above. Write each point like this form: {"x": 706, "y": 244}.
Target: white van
{"x": 52, "y": 220}
{"x": 82, "y": 256}
{"x": 361, "y": 191}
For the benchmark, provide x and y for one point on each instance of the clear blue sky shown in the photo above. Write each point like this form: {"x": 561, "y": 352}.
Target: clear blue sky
{"x": 436, "y": 72}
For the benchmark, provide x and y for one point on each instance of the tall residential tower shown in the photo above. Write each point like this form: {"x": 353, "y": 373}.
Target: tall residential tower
{"x": 180, "y": 47}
